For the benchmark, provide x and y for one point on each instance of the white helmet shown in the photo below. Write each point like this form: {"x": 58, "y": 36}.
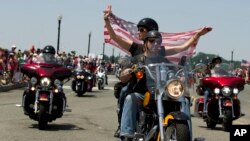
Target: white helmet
{"x": 13, "y": 46}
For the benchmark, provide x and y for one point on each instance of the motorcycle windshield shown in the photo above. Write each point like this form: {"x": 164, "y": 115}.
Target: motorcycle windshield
{"x": 159, "y": 71}
{"x": 79, "y": 68}
{"x": 221, "y": 70}
{"x": 45, "y": 59}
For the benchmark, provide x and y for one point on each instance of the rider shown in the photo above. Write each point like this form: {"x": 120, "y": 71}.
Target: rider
{"x": 103, "y": 67}
{"x": 144, "y": 25}
{"x": 48, "y": 54}
{"x": 215, "y": 62}
{"x": 152, "y": 47}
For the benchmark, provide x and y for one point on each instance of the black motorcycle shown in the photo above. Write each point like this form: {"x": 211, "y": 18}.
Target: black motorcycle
{"x": 81, "y": 80}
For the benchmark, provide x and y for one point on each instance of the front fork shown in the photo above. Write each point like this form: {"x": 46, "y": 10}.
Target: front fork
{"x": 161, "y": 114}
{"x": 221, "y": 108}
{"x": 37, "y": 101}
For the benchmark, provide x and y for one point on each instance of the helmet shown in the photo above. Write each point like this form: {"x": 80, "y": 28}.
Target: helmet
{"x": 13, "y": 46}
{"x": 49, "y": 49}
{"x": 154, "y": 34}
{"x": 102, "y": 63}
{"x": 214, "y": 60}
{"x": 148, "y": 23}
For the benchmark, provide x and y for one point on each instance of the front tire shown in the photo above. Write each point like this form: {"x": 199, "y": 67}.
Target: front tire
{"x": 178, "y": 131}
{"x": 99, "y": 85}
{"x": 227, "y": 120}
{"x": 42, "y": 118}
{"x": 210, "y": 123}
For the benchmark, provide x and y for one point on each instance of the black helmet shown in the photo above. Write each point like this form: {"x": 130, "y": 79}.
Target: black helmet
{"x": 214, "y": 60}
{"x": 49, "y": 49}
{"x": 148, "y": 23}
{"x": 154, "y": 34}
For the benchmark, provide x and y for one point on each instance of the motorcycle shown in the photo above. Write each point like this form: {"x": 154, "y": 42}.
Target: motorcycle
{"x": 165, "y": 114}
{"x": 44, "y": 100}
{"x": 80, "y": 82}
{"x": 90, "y": 80}
{"x": 222, "y": 89}
{"x": 100, "y": 77}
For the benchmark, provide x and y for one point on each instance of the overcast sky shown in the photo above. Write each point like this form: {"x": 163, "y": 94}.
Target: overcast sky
{"x": 32, "y": 22}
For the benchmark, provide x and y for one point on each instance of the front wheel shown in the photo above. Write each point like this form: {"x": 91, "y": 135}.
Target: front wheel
{"x": 227, "y": 120}
{"x": 178, "y": 130}
{"x": 42, "y": 117}
{"x": 99, "y": 85}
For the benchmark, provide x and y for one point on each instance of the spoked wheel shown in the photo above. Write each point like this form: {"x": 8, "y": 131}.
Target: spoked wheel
{"x": 42, "y": 118}
{"x": 178, "y": 131}
{"x": 227, "y": 120}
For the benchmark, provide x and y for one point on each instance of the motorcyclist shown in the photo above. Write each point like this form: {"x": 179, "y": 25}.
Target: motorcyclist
{"x": 103, "y": 67}
{"x": 47, "y": 55}
{"x": 137, "y": 89}
{"x": 144, "y": 25}
{"x": 215, "y": 62}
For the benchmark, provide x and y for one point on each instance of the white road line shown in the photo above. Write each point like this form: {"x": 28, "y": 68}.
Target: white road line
{"x": 94, "y": 88}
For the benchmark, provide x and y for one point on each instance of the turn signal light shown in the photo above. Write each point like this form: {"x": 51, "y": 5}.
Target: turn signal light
{"x": 139, "y": 75}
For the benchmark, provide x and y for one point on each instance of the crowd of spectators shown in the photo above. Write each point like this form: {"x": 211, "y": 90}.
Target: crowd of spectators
{"x": 11, "y": 60}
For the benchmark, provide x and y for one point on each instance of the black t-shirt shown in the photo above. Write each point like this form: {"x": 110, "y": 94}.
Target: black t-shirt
{"x": 137, "y": 49}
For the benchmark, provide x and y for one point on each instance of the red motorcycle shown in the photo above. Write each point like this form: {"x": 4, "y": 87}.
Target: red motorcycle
{"x": 220, "y": 91}
{"x": 44, "y": 99}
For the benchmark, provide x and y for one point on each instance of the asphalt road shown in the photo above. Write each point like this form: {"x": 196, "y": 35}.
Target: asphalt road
{"x": 88, "y": 118}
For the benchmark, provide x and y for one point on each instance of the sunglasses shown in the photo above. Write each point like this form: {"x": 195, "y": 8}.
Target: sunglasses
{"x": 151, "y": 41}
{"x": 141, "y": 29}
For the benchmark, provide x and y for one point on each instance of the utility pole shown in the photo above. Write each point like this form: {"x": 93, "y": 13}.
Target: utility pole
{"x": 232, "y": 64}
{"x": 103, "y": 49}
{"x": 232, "y": 56}
{"x": 58, "y": 35}
{"x": 89, "y": 43}
{"x": 113, "y": 57}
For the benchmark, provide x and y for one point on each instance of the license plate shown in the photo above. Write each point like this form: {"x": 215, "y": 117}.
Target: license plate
{"x": 43, "y": 97}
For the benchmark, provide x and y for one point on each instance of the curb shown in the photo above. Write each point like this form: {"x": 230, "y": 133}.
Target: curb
{"x": 12, "y": 86}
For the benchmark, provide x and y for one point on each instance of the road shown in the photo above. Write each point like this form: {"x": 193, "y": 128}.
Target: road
{"x": 88, "y": 118}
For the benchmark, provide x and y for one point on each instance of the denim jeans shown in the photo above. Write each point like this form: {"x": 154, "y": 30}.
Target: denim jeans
{"x": 122, "y": 97}
{"x": 186, "y": 109}
{"x": 131, "y": 107}
{"x": 206, "y": 93}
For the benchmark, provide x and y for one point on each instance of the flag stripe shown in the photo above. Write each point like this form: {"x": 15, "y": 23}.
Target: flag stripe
{"x": 128, "y": 31}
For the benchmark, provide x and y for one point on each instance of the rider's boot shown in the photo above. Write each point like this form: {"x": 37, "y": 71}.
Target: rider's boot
{"x": 117, "y": 132}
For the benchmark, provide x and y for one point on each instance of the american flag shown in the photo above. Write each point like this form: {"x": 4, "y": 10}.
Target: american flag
{"x": 245, "y": 63}
{"x": 128, "y": 30}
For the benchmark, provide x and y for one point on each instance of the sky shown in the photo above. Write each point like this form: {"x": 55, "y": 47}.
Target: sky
{"x": 35, "y": 22}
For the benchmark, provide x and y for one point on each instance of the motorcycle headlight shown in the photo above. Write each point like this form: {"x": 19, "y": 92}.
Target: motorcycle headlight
{"x": 235, "y": 91}
{"x": 57, "y": 82}
{"x": 45, "y": 82}
{"x": 226, "y": 91}
{"x": 78, "y": 76}
{"x": 82, "y": 76}
{"x": 89, "y": 77}
{"x": 216, "y": 90}
{"x": 33, "y": 80}
{"x": 174, "y": 89}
